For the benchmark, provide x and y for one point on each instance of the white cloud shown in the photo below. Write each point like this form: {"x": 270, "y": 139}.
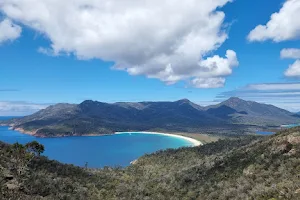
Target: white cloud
{"x": 283, "y": 25}
{"x": 273, "y": 86}
{"x": 217, "y": 66}
{"x": 293, "y": 70}
{"x": 290, "y": 53}
{"x": 208, "y": 82}
{"x": 9, "y": 31}
{"x": 213, "y": 69}
{"x": 48, "y": 52}
{"x": 157, "y": 38}
{"x": 8, "y": 108}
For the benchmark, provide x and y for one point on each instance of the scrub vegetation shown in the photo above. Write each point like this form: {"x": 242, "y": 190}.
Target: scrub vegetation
{"x": 247, "y": 167}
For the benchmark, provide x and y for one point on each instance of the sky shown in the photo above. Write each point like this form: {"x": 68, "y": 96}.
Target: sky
{"x": 69, "y": 51}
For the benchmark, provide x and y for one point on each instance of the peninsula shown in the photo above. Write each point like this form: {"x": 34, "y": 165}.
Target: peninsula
{"x": 233, "y": 116}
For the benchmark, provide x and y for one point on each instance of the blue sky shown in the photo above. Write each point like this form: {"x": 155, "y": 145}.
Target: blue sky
{"x": 45, "y": 61}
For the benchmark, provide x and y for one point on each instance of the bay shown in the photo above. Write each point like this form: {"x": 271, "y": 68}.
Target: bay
{"x": 97, "y": 151}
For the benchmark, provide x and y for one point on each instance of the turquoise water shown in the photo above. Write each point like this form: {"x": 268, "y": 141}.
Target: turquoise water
{"x": 264, "y": 133}
{"x": 283, "y": 126}
{"x": 290, "y": 125}
{"x": 100, "y": 151}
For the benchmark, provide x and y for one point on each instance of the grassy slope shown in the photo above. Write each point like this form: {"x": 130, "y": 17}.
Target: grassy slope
{"x": 246, "y": 168}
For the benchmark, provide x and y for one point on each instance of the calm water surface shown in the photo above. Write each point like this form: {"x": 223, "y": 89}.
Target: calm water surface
{"x": 264, "y": 133}
{"x": 290, "y": 125}
{"x": 100, "y": 151}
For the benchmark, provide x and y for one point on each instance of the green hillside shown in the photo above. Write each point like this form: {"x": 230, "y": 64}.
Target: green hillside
{"x": 240, "y": 168}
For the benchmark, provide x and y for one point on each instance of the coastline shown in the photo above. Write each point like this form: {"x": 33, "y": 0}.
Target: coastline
{"x": 194, "y": 142}
{"x": 191, "y": 140}
{"x": 33, "y": 133}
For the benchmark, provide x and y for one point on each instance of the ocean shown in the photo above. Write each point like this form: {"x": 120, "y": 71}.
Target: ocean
{"x": 97, "y": 151}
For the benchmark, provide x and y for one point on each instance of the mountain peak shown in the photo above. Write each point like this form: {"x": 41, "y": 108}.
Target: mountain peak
{"x": 184, "y": 101}
{"x": 233, "y": 102}
{"x": 88, "y": 102}
{"x": 181, "y": 115}
{"x": 91, "y": 103}
{"x": 190, "y": 103}
{"x": 235, "y": 99}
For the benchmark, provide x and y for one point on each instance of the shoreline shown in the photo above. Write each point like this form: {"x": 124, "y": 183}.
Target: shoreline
{"x": 33, "y": 133}
{"x": 23, "y": 131}
{"x": 194, "y": 142}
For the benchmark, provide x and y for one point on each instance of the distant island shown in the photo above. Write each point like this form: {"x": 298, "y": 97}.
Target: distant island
{"x": 96, "y": 118}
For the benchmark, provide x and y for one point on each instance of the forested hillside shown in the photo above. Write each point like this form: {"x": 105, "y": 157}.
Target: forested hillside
{"x": 239, "y": 168}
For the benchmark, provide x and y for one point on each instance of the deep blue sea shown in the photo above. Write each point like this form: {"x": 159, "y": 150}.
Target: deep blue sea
{"x": 98, "y": 151}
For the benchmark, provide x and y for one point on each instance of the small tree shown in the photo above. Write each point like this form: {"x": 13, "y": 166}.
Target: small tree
{"x": 34, "y": 147}
{"x": 23, "y": 154}
{"x": 19, "y": 151}
{"x": 21, "y": 157}
{"x": 18, "y": 148}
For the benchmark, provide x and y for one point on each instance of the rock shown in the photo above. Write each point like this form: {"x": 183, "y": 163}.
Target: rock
{"x": 12, "y": 186}
{"x": 133, "y": 162}
{"x": 8, "y": 177}
{"x": 291, "y": 152}
{"x": 294, "y": 139}
{"x": 297, "y": 191}
{"x": 282, "y": 148}
{"x": 249, "y": 171}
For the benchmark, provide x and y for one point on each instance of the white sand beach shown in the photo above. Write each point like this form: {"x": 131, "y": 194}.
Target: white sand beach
{"x": 193, "y": 141}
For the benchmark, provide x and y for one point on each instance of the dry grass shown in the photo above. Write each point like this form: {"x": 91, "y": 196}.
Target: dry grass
{"x": 204, "y": 138}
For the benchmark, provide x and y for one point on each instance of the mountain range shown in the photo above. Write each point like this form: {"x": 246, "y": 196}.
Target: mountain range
{"x": 93, "y": 117}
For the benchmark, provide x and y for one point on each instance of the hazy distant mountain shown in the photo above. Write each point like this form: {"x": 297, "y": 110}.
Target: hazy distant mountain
{"x": 253, "y": 113}
{"x": 92, "y": 117}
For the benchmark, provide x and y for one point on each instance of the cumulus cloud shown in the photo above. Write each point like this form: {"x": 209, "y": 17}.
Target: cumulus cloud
{"x": 290, "y": 53}
{"x": 283, "y": 25}
{"x": 13, "y": 108}
{"x": 293, "y": 70}
{"x": 162, "y": 39}
{"x": 213, "y": 69}
{"x": 9, "y": 31}
{"x": 208, "y": 82}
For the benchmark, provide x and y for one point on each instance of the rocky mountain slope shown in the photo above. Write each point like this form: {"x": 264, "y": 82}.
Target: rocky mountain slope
{"x": 253, "y": 113}
{"x": 92, "y": 117}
